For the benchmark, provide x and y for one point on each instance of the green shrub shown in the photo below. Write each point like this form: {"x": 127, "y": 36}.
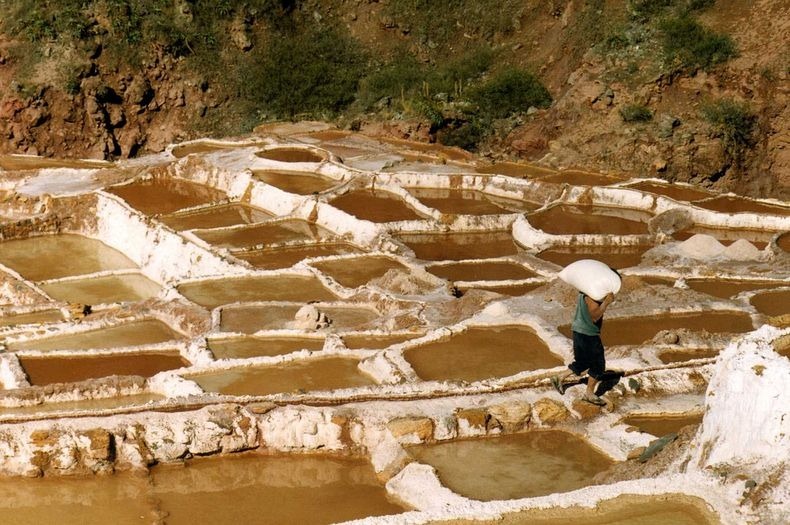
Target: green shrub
{"x": 313, "y": 72}
{"x": 690, "y": 45}
{"x": 439, "y": 23}
{"x": 734, "y": 122}
{"x": 466, "y": 135}
{"x": 508, "y": 92}
{"x": 636, "y": 113}
{"x": 401, "y": 77}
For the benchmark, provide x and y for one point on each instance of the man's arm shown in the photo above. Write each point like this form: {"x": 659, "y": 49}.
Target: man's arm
{"x": 596, "y": 310}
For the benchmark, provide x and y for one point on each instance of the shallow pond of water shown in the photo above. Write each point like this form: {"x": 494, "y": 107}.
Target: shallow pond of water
{"x": 519, "y": 171}
{"x": 615, "y": 256}
{"x": 676, "y": 192}
{"x": 731, "y": 204}
{"x": 772, "y": 303}
{"x": 515, "y": 466}
{"x": 662, "y": 424}
{"x": 296, "y": 288}
{"x": 482, "y": 353}
{"x": 216, "y": 217}
{"x": 182, "y": 150}
{"x": 159, "y": 196}
{"x": 84, "y": 405}
{"x": 329, "y": 373}
{"x": 59, "y": 369}
{"x": 265, "y": 234}
{"x": 376, "y": 342}
{"x": 245, "y": 347}
{"x": 290, "y": 155}
{"x": 250, "y": 319}
{"x": 285, "y": 257}
{"x": 357, "y": 271}
{"x": 637, "y": 330}
{"x": 686, "y": 354}
{"x": 599, "y": 220}
{"x": 63, "y": 255}
{"x": 375, "y": 206}
{"x": 481, "y": 271}
{"x": 458, "y": 246}
{"x": 511, "y": 290}
{"x": 628, "y": 509}
{"x": 783, "y": 242}
{"x": 467, "y": 202}
{"x": 122, "y": 499}
{"x": 40, "y": 317}
{"x": 32, "y": 162}
{"x": 726, "y": 288}
{"x": 131, "y": 334}
{"x": 581, "y": 178}
{"x": 301, "y": 489}
{"x": 295, "y": 182}
{"x": 103, "y": 290}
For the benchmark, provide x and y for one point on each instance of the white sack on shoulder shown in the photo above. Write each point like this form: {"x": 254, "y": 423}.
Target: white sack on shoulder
{"x": 593, "y": 278}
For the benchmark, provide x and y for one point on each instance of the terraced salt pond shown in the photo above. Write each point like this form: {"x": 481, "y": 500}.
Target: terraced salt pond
{"x": 57, "y": 369}
{"x": 614, "y": 256}
{"x": 106, "y": 289}
{"x": 55, "y": 256}
{"x": 662, "y": 424}
{"x": 514, "y": 466}
{"x": 138, "y": 333}
{"x": 375, "y": 206}
{"x": 481, "y": 353}
{"x": 481, "y": 271}
{"x": 264, "y": 234}
{"x": 295, "y": 288}
{"x": 250, "y": 319}
{"x": 245, "y": 347}
{"x": 275, "y": 489}
{"x": 216, "y": 217}
{"x": 295, "y": 182}
{"x": 39, "y": 317}
{"x": 158, "y": 196}
{"x": 357, "y": 271}
{"x": 460, "y": 246}
{"x": 329, "y": 373}
{"x": 561, "y": 220}
{"x": 285, "y": 257}
{"x": 637, "y": 330}
{"x": 469, "y": 202}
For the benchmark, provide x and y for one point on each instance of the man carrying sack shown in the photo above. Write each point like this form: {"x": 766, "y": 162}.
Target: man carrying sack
{"x": 597, "y": 284}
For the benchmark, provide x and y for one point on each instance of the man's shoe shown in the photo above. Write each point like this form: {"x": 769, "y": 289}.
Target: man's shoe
{"x": 557, "y": 384}
{"x": 595, "y": 400}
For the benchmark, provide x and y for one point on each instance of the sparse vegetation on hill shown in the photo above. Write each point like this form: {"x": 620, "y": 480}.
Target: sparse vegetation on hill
{"x": 734, "y": 122}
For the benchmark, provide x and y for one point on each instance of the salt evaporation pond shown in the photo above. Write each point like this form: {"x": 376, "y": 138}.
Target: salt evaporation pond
{"x": 245, "y": 347}
{"x": 354, "y": 272}
{"x": 287, "y": 256}
{"x": 295, "y": 182}
{"x": 108, "y": 403}
{"x": 598, "y": 220}
{"x": 662, "y": 424}
{"x": 264, "y": 234}
{"x": 375, "y": 206}
{"x": 726, "y": 288}
{"x": 460, "y": 246}
{"x": 62, "y": 369}
{"x": 101, "y": 290}
{"x": 328, "y": 373}
{"x": 160, "y": 195}
{"x": 468, "y": 202}
{"x": 774, "y": 303}
{"x": 64, "y": 255}
{"x": 515, "y": 466}
{"x": 673, "y": 191}
{"x": 614, "y": 256}
{"x": 250, "y": 319}
{"x": 481, "y": 353}
{"x": 137, "y": 333}
{"x": 290, "y": 155}
{"x": 40, "y": 317}
{"x": 216, "y": 217}
{"x": 636, "y": 330}
{"x": 482, "y": 271}
{"x": 296, "y": 288}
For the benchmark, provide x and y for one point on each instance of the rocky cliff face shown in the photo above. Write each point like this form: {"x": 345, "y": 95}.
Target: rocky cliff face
{"x": 114, "y": 110}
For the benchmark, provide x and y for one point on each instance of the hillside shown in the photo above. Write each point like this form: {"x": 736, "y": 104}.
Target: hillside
{"x": 687, "y": 90}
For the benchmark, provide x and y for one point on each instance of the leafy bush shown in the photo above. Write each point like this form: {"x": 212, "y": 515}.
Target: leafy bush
{"x": 438, "y": 23}
{"x": 690, "y": 45}
{"x": 313, "y": 72}
{"x": 636, "y": 113}
{"x": 466, "y": 135}
{"x": 734, "y": 122}
{"x": 509, "y": 92}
